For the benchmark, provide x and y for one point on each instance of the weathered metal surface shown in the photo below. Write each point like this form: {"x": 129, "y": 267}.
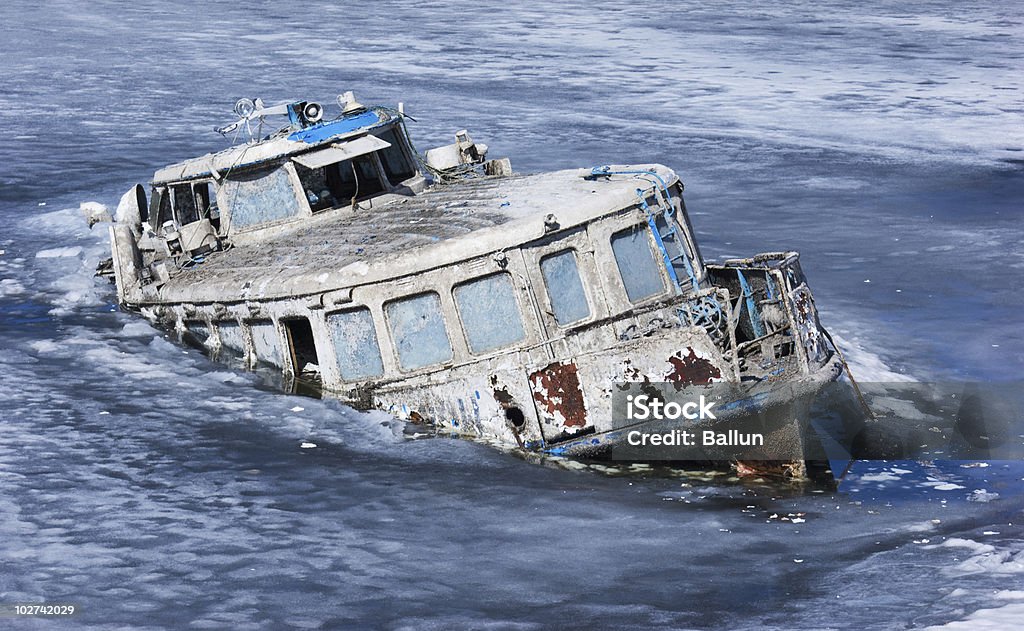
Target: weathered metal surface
{"x": 557, "y": 393}
{"x": 806, "y": 316}
{"x": 443, "y": 226}
{"x": 689, "y": 370}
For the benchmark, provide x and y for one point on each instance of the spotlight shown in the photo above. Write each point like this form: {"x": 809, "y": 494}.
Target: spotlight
{"x": 244, "y": 108}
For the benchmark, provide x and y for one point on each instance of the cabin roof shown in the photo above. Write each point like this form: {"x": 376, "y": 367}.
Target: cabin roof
{"x": 276, "y": 147}
{"x": 442, "y": 226}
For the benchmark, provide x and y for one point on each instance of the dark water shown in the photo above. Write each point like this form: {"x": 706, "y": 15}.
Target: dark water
{"x": 156, "y": 489}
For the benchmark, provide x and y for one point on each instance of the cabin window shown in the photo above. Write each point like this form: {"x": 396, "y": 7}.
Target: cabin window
{"x": 565, "y": 289}
{"x": 638, "y": 268}
{"x": 231, "y": 336}
{"x": 339, "y": 183}
{"x": 489, "y": 312}
{"x": 259, "y": 197}
{"x": 355, "y": 342}
{"x": 205, "y": 194}
{"x": 266, "y": 342}
{"x": 397, "y": 167}
{"x": 160, "y": 208}
{"x": 184, "y": 203}
{"x": 318, "y": 193}
{"x": 417, "y": 326}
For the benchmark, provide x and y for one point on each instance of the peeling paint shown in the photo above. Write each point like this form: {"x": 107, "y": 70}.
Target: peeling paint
{"x": 556, "y": 390}
{"x": 806, "y": 316}
{"x": 691, "y": 370}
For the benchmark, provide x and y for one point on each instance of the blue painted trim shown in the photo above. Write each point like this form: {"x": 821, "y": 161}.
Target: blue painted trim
{"x": 689, "y": 268}
{"x": 661, "y": 246}
{"x": 607, "y": 170}
{"x": 325, "y": 131}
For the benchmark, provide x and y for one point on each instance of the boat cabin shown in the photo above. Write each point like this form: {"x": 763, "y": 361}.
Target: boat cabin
{"x": 249, "y": 191}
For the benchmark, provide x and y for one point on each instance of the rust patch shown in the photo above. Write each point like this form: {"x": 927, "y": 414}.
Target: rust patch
{"x": 691, "y": 370}
{"x": 556, "y": 390}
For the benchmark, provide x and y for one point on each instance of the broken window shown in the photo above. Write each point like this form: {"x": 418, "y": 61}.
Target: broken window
{"x": 396, "y": 165}
{"x": 318, "y": 193}
{"x": 356, "y": 178}
{"x": 160, "y": 208}
{"x": 417, "y": 326}
{"x": 259, "y": 196}
{"x": 638, "y": 268}
{"x": 489, "y": 312}
{"x": 184, "y": 203}
{"x": 206, "y": 201}
{"x": 205, "y": 195}
{"x": 338, "y": 184}
{"x": 565, "y": 289}
{"x": 355, "y": 342}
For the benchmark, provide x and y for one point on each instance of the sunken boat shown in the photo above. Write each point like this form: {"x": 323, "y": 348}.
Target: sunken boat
{"x": 448, "y": 290}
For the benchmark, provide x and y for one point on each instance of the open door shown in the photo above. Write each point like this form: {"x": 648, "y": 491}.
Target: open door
{"x": 302, "y": 346}
{"x": 305, "y": 363}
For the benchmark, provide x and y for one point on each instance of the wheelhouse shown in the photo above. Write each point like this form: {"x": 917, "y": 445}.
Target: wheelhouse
{"x": 235, "y": 199}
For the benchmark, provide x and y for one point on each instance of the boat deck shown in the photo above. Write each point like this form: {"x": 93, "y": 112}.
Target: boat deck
{"x": 342, "y": 246}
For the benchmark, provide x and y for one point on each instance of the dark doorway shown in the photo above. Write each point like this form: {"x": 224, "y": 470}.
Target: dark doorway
{"x": 301, "y": 345}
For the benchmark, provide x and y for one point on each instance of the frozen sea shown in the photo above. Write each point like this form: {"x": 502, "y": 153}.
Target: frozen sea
{"x": 156, "y": 489}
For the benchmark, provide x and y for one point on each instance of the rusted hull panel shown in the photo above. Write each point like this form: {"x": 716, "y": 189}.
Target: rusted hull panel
{"x": 495, "y": 406}
{"x": 558, "y": 396}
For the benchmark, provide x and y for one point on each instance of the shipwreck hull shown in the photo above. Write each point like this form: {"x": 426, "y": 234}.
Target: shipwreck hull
{"x": 558, "y": 397}
{"x": 453, "y": 292}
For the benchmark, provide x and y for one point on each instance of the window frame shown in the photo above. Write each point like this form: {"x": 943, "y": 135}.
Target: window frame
{"x": 393, "y": 338}
{"x": 548, "y": 303}
{"x": 517, "y": 300}
{"x": 410, "y": 160}
{"x": 656, "y": 257}
{"x": 227, "y": 206}
{"x": 374, "y": 325}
